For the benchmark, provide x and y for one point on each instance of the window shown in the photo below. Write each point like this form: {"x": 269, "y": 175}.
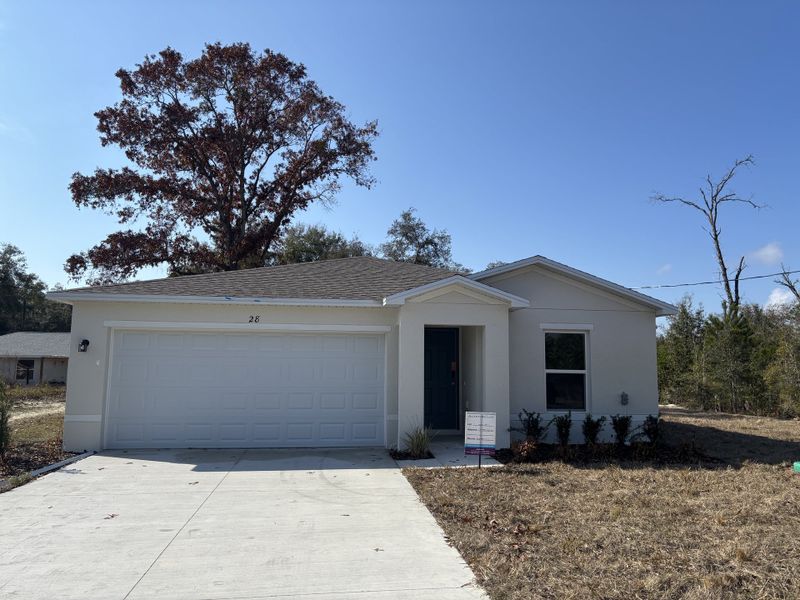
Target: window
{"x": 25, "y": 370}
{"x": 565, "y": 370}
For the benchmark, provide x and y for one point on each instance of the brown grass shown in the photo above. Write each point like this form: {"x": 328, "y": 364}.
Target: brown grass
{"x": 735, "y": 438}
{"x": 37, "y": 425}
{"x": 633, "y": 530}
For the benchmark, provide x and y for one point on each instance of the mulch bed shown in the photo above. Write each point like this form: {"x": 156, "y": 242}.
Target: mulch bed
{"x": 405, "y": 455}
{"x": 581, "y": 454}
{"x": 23, "y": 458}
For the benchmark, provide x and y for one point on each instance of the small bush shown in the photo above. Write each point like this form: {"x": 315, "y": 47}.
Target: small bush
{"x": 622, "y": 428}
{"x": 651, "y": 428}
{"x": 5, "y": 426}
{"x": 592, "y": 428}
{"x": 525, "y": 450}
{"x": 532, "y": 426}
{"x": 418, "y": 442}
{"x": 563, "y": 425}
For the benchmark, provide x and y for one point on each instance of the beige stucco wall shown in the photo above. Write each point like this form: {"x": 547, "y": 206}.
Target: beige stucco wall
{"x": 472, "y": 368}
{"x": 87, "y": 371}
{"x": 622, "y": 345}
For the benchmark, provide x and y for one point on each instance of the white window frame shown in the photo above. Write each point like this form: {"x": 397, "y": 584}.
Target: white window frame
{"x": 583, "y": 330}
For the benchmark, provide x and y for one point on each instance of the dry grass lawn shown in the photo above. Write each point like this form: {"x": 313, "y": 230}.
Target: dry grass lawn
{"x": 37, "y": 425}
{"x": 712, "y": 529}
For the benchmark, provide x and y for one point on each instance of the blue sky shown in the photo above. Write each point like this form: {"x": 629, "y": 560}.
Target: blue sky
{"x": 520, "y": 127}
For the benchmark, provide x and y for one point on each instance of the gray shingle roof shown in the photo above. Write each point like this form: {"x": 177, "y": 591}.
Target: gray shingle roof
{"x": 357, "y": 278}
{"x": 34, "y": 345}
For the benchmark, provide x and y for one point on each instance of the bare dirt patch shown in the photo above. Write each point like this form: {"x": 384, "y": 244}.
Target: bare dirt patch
{"x": 701, "y": 530}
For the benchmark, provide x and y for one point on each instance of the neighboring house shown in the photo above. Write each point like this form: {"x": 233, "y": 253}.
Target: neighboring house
{"x": 28, "y": 358}
{"x": 351, "y": 352}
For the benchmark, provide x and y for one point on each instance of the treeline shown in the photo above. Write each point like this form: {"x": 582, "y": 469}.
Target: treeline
{"x": 747, "y": 361}
{"x": 23, "y": 306}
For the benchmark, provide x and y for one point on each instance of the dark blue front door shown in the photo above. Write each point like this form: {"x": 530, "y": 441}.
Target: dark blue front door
{"x": 441, "y": 378}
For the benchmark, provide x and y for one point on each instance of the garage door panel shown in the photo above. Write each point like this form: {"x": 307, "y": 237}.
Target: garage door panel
{"x": 333, "y": 401}
{"x": 245, "y": 390}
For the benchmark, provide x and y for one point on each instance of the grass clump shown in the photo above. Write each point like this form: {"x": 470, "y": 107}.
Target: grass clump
{"x": 418, "y": 442}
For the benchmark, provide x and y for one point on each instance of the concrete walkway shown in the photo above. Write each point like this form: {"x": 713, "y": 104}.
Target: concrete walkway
{"x": 215, "y": 524}
{"x": 448, "y": 451}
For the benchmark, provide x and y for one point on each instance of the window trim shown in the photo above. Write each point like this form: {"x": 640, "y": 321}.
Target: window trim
{"x": 573, "y": 329}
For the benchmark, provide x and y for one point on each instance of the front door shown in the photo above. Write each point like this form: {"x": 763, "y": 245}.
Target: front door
{"x": 441, "y": 378}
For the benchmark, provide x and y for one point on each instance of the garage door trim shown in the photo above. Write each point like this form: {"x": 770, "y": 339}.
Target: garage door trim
{"x": 113, "y": 326}
{"x": 287, "y": 327}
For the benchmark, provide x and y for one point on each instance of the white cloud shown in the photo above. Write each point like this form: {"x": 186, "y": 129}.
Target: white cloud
{"x": 664, "y": 269}
{"x": 771, "y": 254}
{"x": 779, "y": 297}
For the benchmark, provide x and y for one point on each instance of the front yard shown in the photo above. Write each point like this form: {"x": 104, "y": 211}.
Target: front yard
{"x": 723, "y": 524}
{"x": 37, "y": 424}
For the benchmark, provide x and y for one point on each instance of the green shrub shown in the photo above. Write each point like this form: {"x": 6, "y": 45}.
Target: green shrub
{"x": 592, "y": 428}
{"x": 532, "y": 426}
{"x": 563, "y": 425}
{"x": 418, "y": 442}
{"x": 621, "y": 424}
{"x": 651, "y": 428}
{"x": 5, "y": 426}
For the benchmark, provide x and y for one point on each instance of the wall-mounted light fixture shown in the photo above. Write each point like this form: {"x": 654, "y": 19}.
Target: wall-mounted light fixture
{"x": 83, "y": 346}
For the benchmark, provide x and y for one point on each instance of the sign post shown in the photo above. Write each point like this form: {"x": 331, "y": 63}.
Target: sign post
{"x": 480, "y": 430}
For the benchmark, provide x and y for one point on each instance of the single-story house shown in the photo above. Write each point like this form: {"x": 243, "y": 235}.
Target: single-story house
{"x": 351, "y": 352}
{"x": 28, "y": 358}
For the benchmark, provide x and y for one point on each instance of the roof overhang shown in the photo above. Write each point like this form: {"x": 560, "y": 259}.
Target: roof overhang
{"x": 460, "y": 281}
{"x": 72, "y": 297}
{"x": 661, "y": 308}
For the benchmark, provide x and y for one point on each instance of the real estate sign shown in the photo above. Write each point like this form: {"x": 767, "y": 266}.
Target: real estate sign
{"x": 480, "y": 429}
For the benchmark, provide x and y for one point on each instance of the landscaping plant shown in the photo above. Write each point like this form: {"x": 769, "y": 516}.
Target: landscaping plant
{"x": 621, "y": 424}
{"x": 418, "y": 442}
{"x": 524, "y": 450}
{"x": 651, "y": 428}
{"x": 563, "y": 425}
{"x": 591, "y": 428}
{"x": 532, "y": 426}
{"x": 5, "y": 426}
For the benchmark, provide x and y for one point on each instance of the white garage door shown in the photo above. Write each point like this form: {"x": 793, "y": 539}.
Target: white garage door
{"x": 216, "y": 390}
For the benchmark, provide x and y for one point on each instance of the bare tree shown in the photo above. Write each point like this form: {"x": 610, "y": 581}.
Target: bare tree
{"x": 713, "y": 195}
{"x": 793, "y": 285}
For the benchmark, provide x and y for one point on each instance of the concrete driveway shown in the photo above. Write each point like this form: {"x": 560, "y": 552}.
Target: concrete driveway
{"x": 244, "y": 524}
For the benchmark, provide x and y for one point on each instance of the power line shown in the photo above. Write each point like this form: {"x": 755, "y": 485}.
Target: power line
{"x": 715, "y": 282}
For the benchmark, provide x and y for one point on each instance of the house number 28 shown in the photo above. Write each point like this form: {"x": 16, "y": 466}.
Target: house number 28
{"x": 254, "y": 319}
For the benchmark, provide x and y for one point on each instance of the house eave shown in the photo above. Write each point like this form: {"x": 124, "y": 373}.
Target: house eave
{"x": 72, "y": 297}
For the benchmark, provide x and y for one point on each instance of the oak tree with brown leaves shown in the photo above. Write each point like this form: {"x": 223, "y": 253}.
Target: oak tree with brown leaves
{"x": 225, "y": 149}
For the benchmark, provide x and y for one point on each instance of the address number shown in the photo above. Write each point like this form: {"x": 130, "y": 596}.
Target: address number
{"x": 254, "y": 319}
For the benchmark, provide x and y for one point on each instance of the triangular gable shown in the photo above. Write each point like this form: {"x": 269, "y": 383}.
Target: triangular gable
{"x": 661, "y": 308}
{"x": 460, "y": 289}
